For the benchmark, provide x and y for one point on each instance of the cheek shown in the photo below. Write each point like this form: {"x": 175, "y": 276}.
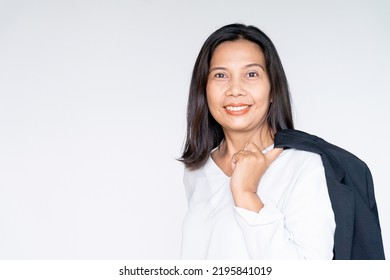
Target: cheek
{"x": 212, "y": 97}
{"x": 264, "y": 93}
{"x": 213, "y": 104}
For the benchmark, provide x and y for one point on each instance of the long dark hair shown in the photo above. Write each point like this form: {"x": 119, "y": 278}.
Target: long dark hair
{"x": 203, "y": 132}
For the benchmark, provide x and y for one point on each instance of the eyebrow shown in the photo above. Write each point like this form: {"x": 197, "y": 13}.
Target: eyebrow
{"x": 255, "y": 64}
{"x": 246, "y": 66}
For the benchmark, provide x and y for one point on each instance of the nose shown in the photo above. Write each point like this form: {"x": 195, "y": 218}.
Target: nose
{"x": 235, "y": 88}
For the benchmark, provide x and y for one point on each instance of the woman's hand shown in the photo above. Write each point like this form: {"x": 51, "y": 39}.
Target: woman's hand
{"x": 248, "y": 166}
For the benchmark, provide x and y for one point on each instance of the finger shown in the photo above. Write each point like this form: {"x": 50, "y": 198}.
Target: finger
{"x": 272, "y": 155}
{"x": 233, "y": 165}
{"x": 236, "y": 157}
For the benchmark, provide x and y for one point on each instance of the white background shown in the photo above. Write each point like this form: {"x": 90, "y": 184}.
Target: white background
{"x": 92, "y": 111}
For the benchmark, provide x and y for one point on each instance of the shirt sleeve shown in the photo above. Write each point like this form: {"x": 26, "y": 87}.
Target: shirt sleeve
{"x": 302, "y": 229}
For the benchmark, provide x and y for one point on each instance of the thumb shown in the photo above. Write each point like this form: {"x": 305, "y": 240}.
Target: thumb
{"x": 272, "y": 155}
{"x": 235, "y": 158}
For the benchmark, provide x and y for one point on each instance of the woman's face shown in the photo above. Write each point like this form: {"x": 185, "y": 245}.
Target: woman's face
{"x": 238, "y": 88}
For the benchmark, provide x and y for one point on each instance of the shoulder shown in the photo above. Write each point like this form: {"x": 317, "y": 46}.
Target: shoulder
{"x": 191, "y": 179}
{"x": 191, "y": 175}
{"x": 300, "y": 159}
{"x": 295, "y": 166}
{"x": 298, "y": 170}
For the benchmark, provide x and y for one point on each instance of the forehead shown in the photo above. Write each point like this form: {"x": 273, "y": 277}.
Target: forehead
{"x": 240, "y": 51}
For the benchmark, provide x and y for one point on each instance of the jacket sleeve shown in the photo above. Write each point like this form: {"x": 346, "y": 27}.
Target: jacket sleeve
{"x": 302, "y": 227}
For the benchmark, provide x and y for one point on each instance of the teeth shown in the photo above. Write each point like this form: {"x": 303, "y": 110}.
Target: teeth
{"x": 236, "y": 108}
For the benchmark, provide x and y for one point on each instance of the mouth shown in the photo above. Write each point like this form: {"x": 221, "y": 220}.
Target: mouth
{"x": 236, "y": 109}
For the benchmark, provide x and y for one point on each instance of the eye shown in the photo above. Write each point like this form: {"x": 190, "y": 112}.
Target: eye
{"x": 220, "y": 75}
{"x": 252, "y": 74}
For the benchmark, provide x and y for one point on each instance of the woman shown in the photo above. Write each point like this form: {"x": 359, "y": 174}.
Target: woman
{"x": 246, "y": 199}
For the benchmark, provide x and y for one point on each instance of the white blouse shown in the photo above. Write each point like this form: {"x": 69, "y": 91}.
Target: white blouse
{"x": 297, "y": 221}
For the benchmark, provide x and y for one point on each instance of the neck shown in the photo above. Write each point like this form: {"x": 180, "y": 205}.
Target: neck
{"x": 236, "y": 141}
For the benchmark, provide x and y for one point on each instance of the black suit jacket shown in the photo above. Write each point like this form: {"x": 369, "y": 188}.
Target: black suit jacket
{"x": 358, "y": 233}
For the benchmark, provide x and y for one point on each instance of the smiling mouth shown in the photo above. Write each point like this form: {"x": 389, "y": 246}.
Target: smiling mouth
{"x": 236, "y": 108}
